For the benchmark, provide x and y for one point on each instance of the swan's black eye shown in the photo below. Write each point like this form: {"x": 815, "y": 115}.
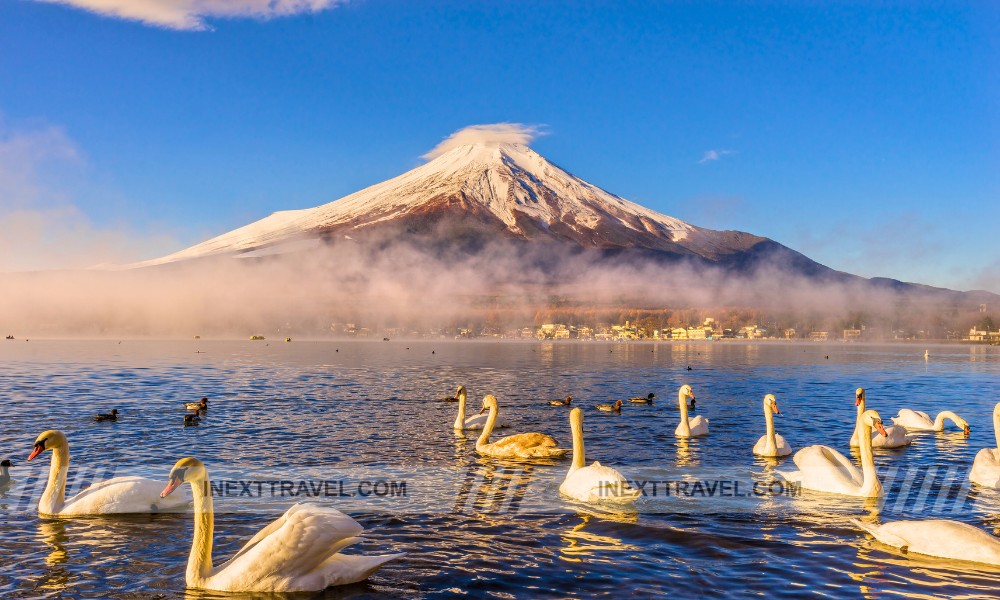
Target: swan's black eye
{"x": 178, "y": 473}
{"x": 40, "y": 444}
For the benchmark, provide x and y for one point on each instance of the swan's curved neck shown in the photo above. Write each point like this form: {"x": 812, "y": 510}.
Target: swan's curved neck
{"x": 484, "y": 437}
{"x": 772, "y": 441}
{"x": 54, "y": 497}
{"x": 460, "y": 419}
{"x": 870, "y": 485}
{"x": 579, "y": 455}
{"x": 199, "y": 565}
{"x": 857, "y": 421}
{"x": 683, "y": 406}
{"x": 945, "y": 414}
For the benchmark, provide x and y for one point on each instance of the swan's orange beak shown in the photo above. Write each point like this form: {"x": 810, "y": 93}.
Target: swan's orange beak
{"x": 880, "y": 428}
{"x": 172, "y": 485}
{"x": 967, "y": 431}
{"x": 39, "y": 448}
{"x": 482, "y": 410}
{"x": 776, "y": 411}
{"x": 857, "y": 401}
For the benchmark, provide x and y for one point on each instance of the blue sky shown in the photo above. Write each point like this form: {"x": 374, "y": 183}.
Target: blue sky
{"x": 865, "y": 137}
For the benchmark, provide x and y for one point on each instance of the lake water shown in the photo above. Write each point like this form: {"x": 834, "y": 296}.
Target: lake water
{"x": 351, "y": 414}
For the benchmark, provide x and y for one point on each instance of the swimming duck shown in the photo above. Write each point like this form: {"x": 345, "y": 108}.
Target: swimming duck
{"x": 459, "y": 392}
{"x": 199, "y": 405}
{"x": 4, "y": 474}
{"x": 191, "y": 420}
{"x": 648, "y": 399}
{"x": 111, "y": 416}
{"x": 561, "y": 402}
{"x": 616, "y": 407}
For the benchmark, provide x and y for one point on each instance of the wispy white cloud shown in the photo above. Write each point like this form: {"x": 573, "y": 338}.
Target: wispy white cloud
{"x": 191, "y": 14}
{"x": 495, "y": 133}
{"x": 42, "y": 172}
{"x": 714, "y": 155}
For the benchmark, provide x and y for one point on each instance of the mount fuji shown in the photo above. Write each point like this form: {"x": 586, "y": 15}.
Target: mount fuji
{"x": 483, "y": 191}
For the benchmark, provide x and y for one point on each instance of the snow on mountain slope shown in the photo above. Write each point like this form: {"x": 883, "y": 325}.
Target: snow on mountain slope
{"x": 507, "y": 184}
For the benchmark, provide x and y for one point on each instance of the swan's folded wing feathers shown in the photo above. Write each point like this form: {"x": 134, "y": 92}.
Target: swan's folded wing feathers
{"x": 294, "y": 545}
{"x": 129, "y": 494}
{"x": 527, "y": 440}
{"x": 820, "y": 463}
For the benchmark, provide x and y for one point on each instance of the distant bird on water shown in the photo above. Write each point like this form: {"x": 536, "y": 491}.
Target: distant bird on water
{"x": 458, "y": 395}
{"x": 648, "y": 399}
{"x": 561, "y": 402}
{"x": 191, "y": 420}
{"x": 199, "y": 405}
{"x": 4, "y": 474}
{"x": 615, "y": 408}
{"x": 111, "y": 416}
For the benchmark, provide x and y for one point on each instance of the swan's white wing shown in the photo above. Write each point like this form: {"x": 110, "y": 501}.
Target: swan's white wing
{"x": 524, "y": 445}
{"x": 938, "y": 537}
{"x": 913, "y": 419}
{"x": 125, "y": 495}
{"x": 986, "y": 468}
{"x": 698, "y": 425}
{"x": 824, "y": 469}
{"x": 479, "y": 421}
{"x": 285, "y": 556}
{"x": 598, "y": 483}
{"x": 895, "y": 437}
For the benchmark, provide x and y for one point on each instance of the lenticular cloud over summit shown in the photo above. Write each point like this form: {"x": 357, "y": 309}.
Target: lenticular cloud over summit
{"x": 496, "y": 133}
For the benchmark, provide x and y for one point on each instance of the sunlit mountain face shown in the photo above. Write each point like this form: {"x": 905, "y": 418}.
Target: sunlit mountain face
{"x": 480, "y": 193}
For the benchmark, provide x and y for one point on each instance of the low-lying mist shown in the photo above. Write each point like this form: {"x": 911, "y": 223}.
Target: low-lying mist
{"x": 410, "y": 286}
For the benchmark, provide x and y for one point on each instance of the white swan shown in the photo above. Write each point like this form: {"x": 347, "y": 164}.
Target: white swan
{"x": 986, "y": 468}
{"x": 300, "y": 551}
{"x": 938, "y": 537}
{"x": 595, "y": 483}
{"x": 521, "y": 445}
{"x": 823, "y": 469}
{"x": 771, "y": 444}
{"x": 113, "y": 496}
{"x": 695, "y": 427}
{"x": 916, "y": 420}
{"x": 473, "y": 422}
{"x": 895, "y": 436}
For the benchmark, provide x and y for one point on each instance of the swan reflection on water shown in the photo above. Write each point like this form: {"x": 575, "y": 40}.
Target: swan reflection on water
{"x": 581, "y": 544}
{"x": 56, "y": 576}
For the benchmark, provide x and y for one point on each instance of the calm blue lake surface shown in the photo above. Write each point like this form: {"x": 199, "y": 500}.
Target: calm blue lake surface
{"x": 356, "y": 412}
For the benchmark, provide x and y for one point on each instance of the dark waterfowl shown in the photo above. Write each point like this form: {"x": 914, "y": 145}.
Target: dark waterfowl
{"x": 616, "y": 407}
{"x": 4, "y": 474}
{"x": 199, "y": 405}
{"x": 458, "y": 394}
{"x": 561, "y": 402}
{"x": 111, "y": 416}
{"x": 192, "y": 419}
{"x": 648, "y": 399}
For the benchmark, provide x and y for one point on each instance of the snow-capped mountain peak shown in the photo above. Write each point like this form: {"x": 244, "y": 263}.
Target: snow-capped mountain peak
{"x": 507, "y": 187}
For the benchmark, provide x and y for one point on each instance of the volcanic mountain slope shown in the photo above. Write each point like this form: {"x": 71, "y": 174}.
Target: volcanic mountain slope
{"x": 499, "y": 191}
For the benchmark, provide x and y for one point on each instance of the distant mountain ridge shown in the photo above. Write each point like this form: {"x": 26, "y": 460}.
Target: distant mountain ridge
{"x": 507, "y": 190}
{"x": 487, "y": 191}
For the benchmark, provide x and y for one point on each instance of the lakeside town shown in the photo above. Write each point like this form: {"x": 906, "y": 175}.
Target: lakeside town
{"x": 708, "y": 330}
